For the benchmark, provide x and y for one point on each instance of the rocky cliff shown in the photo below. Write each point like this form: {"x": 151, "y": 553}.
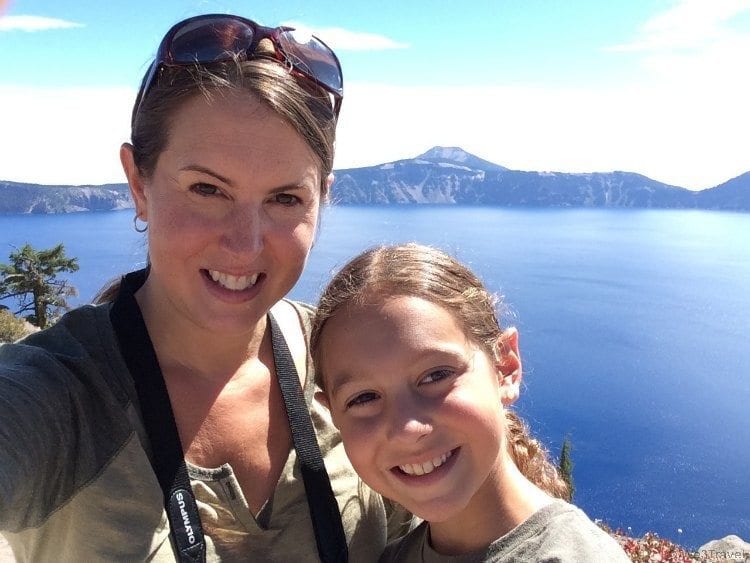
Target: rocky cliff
{"x": 452, "y": 176}
{"x": 16, "y": 197}
{"x": 442, "y": 175}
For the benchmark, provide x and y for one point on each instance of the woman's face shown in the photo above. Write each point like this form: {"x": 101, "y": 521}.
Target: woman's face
{"x": 232, "y": 208}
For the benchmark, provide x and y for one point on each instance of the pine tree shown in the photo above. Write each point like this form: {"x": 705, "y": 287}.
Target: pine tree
{"x": 566, "y": 466}
{"x": 31, "y": 278}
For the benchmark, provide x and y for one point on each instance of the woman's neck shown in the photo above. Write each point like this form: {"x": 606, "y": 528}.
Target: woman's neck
{"x": 505, "y": 500}
{"x": 190, "y": 349}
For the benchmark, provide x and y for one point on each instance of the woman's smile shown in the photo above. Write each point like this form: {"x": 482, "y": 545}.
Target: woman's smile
{"x": 233, "y": 289}
{"x": 235, "y": 283}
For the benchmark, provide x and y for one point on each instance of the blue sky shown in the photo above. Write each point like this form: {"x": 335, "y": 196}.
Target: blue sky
{"x": 651, "y": 86}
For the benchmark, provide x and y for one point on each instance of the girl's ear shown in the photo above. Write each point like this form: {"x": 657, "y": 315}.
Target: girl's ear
{"x": 322, "y": 398}
{"x": 508, "y": 364}
{"x": 135, "y": 181}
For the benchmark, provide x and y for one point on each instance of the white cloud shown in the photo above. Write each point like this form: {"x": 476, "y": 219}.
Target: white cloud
{"x": 344, "y": 40}
{"x": 689, "y": 24}
{"x": 693, "y": 138}
{"x": 34, "y": 23}
{"x": 63, "y": 135}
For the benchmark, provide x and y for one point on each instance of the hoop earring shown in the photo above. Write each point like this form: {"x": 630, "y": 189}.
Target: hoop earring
{"x": 136, "y": 227}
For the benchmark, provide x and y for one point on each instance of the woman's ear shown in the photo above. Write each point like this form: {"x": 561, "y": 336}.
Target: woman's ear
{"x": 508, "y": 364}
{"x": 135, "y": 181}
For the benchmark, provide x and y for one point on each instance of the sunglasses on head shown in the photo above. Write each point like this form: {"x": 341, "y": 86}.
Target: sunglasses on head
{"x": 217, "y": 37}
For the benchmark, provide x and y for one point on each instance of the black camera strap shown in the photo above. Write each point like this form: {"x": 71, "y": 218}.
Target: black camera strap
{"x": 168, "y": 459}
{"x": 324, "y": 511}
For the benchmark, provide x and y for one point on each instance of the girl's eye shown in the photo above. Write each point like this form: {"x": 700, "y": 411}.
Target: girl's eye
{"x": 204, "y": 189}
{"x": 362, "y": 399}
{"x": 287, "y": 199}
{"x": 437, "y": 375}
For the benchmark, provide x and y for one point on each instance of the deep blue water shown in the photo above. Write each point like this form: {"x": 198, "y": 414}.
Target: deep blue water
{"x": 634, "y": 334}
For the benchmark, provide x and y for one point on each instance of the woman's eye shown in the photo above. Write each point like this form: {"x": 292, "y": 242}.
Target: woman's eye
{"x": 437, "y": 375}
{"x": 287, "y": 199}
{"x": 204, "y": 189}
{"x": 362, "y": 399}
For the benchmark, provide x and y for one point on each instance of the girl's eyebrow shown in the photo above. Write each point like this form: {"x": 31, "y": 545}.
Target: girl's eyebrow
{"x": 447, "y": 353}
{"x": 340, "y": 381}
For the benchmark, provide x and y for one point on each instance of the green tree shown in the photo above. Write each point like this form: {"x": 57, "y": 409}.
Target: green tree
{"x": 566, "y": 466}
{"x": 31, "y": 278}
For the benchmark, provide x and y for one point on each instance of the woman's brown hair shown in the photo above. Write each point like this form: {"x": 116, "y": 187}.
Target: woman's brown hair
{"x": 306, "y": 109}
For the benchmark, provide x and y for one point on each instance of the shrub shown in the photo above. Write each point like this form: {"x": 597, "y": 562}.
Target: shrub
{"x": 11, "y": 327}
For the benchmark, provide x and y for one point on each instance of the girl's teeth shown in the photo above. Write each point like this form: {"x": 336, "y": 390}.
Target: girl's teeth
{"x": 236, "y": 283}
{"x": 427, "y": 467}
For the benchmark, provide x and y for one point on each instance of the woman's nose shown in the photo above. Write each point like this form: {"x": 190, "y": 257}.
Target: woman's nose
{"x": 244, "y": 232}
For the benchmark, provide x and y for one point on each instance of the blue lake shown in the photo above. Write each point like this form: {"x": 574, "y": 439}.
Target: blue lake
{"x": 634, "y": 333}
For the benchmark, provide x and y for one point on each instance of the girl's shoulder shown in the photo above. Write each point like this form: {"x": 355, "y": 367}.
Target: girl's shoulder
{"x": 409, "y": 547}
{"x": 557, "y": 532}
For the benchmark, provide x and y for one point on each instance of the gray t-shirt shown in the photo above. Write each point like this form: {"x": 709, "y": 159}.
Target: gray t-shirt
{"x": 559, "y": 532}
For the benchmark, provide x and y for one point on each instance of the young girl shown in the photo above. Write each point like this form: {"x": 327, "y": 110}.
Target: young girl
{"x": 417, "y": 375}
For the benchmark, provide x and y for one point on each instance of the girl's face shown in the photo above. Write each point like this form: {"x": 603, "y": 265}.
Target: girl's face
{"x": 419, "y": 406}
{"x": 232, "y": 208}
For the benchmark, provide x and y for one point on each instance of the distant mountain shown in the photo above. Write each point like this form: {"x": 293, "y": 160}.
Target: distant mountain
{"x": 734, "y": 195}
{"x": 442, "y": 175}
{"x": 453, "y": 176}
{"x": 458, "y": 156}
{"x": 16, "y": 197}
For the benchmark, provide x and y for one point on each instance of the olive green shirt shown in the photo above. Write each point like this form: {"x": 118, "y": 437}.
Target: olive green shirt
{"x": 76, "y": 483}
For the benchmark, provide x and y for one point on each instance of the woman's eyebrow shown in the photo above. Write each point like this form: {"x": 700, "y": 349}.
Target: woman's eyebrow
{"x": 290, "y": 187}
{"x": 205, "y": 170}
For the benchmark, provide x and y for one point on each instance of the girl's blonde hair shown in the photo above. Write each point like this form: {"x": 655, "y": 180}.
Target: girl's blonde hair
{"x": 421, "y": 271}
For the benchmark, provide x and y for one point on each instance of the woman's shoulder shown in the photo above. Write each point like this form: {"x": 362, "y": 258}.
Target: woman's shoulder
{"x": 63, "y": 342}
{"x": 77, "y": 351}
{"x": 63, "y": 415}
{"x": 305, "y": 312}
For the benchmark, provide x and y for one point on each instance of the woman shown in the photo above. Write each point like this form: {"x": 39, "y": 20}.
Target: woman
{"x": 152, "y": 426}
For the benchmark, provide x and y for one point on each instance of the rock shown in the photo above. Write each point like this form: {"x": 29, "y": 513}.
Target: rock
{"x": 6, "y": 554}
{"x": 731, "y": 549}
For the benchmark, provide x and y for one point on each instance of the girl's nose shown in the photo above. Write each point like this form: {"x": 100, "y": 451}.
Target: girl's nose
{"x": 409, "y": 421}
